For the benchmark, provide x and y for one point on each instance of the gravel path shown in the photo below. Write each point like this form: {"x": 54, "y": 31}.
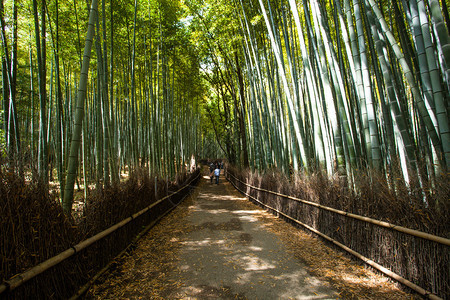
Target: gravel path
{"x": 218, "y": 245}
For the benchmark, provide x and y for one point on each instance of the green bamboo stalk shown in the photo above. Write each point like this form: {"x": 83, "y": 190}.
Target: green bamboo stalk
{"x": 76, "y": 136}
{"x": 441, "y": 110}
{"x": 312, "y": 88}
{"x": 43, "y": 156}
{"x": 330, "y": 106}
{"x": 404, "y": 134}
{"x": 292, "y": 111}
{"x": 424, "y": 114}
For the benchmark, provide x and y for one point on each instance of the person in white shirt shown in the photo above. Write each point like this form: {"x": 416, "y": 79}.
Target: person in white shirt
{"x": 217, "y": 173}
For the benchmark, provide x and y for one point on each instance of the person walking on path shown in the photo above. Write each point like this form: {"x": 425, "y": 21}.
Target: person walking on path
{"x": 217, "y": 173}
{"x": 211, "y": 171}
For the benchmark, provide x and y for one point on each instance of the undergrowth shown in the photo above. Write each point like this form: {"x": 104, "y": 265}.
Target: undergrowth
{"x": 423, "y": 262}
{"x": 33, "y": 228}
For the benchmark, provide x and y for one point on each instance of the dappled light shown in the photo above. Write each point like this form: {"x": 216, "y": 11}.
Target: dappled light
{"x": 203, "y": 243}
{"x": 253, "y": 263}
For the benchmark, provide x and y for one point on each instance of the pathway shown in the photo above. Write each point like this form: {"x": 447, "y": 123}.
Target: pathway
{"x": 217, "y": 245}
{"x": 228, "y": 252}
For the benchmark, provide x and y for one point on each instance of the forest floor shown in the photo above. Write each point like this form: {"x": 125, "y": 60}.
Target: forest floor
{"x": 218, "y": 245}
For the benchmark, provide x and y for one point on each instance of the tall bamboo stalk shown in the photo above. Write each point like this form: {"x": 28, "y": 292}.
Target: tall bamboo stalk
{"x": 78, "y": 125}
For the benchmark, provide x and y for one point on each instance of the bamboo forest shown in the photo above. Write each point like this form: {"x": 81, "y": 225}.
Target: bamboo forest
{"x": 330, "y": 114}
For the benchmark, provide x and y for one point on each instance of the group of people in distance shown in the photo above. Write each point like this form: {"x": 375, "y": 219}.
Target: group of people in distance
{"x": 214, "y": 170}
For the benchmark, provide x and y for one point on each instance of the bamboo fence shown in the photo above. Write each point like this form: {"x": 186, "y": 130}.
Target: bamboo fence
{"x": 416, "y": 233}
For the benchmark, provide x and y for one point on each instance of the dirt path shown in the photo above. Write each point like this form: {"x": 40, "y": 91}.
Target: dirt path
{"x": 217, "y": 245}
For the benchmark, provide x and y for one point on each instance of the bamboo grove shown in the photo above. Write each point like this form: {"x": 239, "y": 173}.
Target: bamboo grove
{"x": 87, "y": 105}
{"x": 333, "y": 85}
{"x": 338, "y": 85}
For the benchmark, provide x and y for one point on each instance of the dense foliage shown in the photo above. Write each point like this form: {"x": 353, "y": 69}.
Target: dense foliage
{"x": 333, "y": 85}
{"x": 139, "y": 104}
